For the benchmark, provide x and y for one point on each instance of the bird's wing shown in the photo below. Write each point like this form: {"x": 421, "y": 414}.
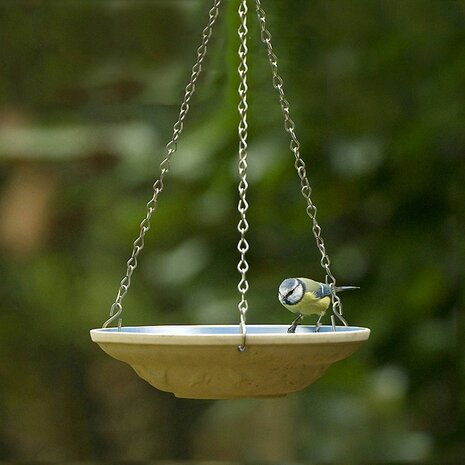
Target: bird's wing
{"x": 323, "y": 291}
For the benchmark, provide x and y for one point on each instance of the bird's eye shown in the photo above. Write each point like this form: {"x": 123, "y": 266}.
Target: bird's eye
{"x": 294, "y": 295}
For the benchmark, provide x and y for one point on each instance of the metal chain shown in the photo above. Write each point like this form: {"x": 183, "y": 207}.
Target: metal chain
{"x": 242, "y": 206}
{"x": 299, "y": 164}
{"x": 158, "y": 186}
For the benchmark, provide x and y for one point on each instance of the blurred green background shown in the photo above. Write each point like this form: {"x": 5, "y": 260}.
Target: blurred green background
{"x": 89, "y": 92}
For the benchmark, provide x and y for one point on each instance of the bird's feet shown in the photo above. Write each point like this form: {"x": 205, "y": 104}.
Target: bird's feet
{"x": 296, "y": 322}
{"x": 318, "y": 324}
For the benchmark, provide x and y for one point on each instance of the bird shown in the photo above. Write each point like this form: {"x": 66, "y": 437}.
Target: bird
{"x": 305, "y": 296}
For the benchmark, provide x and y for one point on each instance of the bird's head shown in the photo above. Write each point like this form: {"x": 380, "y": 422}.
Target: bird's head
{"x": 291, "y": 291}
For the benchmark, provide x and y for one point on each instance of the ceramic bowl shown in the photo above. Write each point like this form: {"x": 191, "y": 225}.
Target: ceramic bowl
{"x": 203, "y": 362}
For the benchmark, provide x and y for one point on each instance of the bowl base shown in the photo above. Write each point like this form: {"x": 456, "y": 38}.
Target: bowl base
{"x": 229, "y": 397}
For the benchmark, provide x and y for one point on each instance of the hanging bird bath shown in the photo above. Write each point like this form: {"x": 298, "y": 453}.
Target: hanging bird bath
{"x": 230, "y": 362}
{"x": 201, "y": 362}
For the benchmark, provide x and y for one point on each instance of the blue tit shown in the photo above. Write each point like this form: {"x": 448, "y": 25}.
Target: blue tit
{"x": 304, "y": 296}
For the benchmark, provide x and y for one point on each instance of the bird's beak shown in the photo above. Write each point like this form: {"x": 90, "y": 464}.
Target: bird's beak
{"x": 345, "y": 288}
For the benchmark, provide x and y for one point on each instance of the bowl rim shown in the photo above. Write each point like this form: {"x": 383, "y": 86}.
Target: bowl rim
{"x": 183, "y": 335}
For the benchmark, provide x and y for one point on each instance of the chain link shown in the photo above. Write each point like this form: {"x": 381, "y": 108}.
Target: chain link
{"x": 158, "y": 186}
{"x": 299, "y": 164}
{"x": 243, "y": 206}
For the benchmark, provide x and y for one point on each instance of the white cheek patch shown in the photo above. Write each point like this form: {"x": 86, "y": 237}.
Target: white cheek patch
{"x": 296, "y": 295}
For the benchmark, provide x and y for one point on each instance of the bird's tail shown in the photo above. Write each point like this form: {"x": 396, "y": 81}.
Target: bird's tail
{"x": 345, "y": 288}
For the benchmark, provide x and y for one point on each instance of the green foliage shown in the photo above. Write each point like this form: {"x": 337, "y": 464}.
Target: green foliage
{"x": 89, "y": 92}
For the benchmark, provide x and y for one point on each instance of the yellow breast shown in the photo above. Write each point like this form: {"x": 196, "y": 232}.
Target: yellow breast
{"x": 310, "y": 305}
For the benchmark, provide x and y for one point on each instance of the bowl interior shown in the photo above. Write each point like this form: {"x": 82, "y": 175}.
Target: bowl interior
{"x": 226, "y": 329}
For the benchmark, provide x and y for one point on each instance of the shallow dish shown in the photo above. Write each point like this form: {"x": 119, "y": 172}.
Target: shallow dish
{"x": 202, "y": 362}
